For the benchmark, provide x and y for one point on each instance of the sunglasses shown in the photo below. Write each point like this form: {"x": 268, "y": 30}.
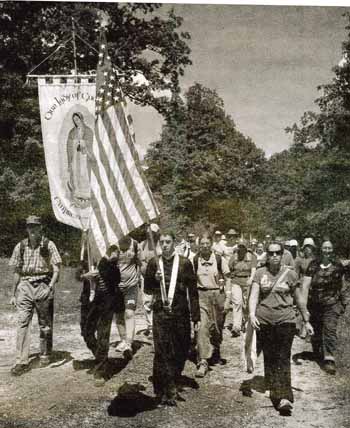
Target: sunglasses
{"x": 274, "y": 253}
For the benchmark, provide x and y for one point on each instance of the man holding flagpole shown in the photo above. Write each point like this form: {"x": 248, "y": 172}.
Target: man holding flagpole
{"x": 172, "y": 282}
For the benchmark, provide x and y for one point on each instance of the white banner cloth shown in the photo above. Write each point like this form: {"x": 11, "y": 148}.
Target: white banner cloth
{"x": 67, "y": 122}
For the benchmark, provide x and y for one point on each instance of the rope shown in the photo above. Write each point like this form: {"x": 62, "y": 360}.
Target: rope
{"x": 87, "y": 43}
{"x": 63, "y": 44}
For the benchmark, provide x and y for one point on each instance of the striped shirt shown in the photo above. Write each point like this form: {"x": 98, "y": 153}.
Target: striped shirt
{"x": 32, "y": 263}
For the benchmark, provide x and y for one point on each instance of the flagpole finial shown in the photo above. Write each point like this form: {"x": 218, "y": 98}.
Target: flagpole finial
{"x": 103, "y": 18}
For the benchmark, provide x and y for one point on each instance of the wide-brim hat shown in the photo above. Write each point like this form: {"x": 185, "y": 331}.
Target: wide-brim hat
{"x": 231, "y": 232}
{"x": 33, "y": 219}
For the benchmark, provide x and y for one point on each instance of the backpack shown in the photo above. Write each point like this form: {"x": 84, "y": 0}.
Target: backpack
{"x": 218, "y": 262}
{"x": 44, "y": 252}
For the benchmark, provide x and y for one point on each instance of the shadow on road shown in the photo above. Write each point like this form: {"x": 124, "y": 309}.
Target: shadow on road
{"x": 257, "y": 383}
{"x": 57, "y": 359}
{"x": 130, "y": 401}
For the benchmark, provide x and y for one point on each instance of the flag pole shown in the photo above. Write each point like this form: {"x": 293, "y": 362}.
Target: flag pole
{"x": 162, "y": 280}
{"x": 74, "y": 48}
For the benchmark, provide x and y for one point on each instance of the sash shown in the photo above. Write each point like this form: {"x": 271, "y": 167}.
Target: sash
{"x": 173, "y": 279}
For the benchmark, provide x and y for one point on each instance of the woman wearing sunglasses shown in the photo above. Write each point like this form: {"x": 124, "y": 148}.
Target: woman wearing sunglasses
{"x": 327, "y": 296}
{"x": 271, "y": 313}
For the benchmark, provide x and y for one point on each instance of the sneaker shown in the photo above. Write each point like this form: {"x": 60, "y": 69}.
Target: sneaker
{"x": 329, "y": 367}
{"x": 44, "y": 362}
{"x": 202, "y": 369}
{"x": 99, "y": 378}
{"x": 121, "y": 346}
{"x": 285, "y": 407}
{"x": 127, "y": 353}
{"x": 19, "y": 369}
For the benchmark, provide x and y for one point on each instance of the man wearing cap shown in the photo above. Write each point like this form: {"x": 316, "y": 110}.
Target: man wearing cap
{"x": 293, "y": 248}
{"x": 36, "y": 264}
{"x": 242, "y": 266}
{"x": 146, "y": 254}
{"x": 308, "y": 254}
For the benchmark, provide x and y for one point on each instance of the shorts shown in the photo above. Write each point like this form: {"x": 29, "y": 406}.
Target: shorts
{"x": 127, "y": 298}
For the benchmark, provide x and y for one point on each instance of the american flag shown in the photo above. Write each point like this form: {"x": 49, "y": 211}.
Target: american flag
{"x": 121, "y": 199}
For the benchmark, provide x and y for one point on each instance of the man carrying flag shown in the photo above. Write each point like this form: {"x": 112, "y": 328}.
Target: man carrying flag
{"x": 172, "y": 313}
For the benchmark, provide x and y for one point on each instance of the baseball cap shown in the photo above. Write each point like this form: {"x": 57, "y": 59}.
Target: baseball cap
{"x": 254, "y": 241}
{"x": 217, "y": 232}
{"x": 191, "y": 235}
{"x": 232, "y": 232}
{"x": 293, "y": 243}
{"x": 309, "y": 241}
{"x": 33, "y": 219}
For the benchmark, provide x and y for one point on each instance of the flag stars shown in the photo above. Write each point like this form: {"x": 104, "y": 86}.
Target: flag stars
{"x": 100, "y": 54}
{"x": 103, "y": 46}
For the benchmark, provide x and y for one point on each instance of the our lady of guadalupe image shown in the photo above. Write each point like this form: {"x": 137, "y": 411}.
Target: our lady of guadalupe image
{"x": 79, "y": 152}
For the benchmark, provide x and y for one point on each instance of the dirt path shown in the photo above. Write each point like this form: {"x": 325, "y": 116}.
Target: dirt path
{"x": 64, "y": 394}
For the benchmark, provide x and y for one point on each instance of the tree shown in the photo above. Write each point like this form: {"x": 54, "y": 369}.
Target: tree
{"x": 202, "y": 160}
{"x": 140, "y": 42}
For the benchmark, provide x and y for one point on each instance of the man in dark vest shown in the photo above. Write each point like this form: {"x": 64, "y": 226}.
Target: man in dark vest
{"x": 172, "y": 314}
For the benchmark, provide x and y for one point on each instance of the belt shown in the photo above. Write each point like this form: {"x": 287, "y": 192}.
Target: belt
{"x": 37, "y": 280}
{"x": 208, "y": 289}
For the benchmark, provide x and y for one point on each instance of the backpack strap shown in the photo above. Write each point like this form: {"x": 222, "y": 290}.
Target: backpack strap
{"x": 195, "y": 263}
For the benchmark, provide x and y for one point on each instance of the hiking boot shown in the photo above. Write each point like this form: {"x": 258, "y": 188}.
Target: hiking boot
{"x": 285, "y": 407}
{"x": 19, "y": 369}
{"x": 202, "y": 369}
{"x": 127, "y": 353}
{"x": 148, "y": 333}
{"x": 329, "y": 367}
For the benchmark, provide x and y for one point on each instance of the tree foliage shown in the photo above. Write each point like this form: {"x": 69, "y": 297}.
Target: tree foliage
{"x": 141, "y": 41}
{"x": 202, "y": 165}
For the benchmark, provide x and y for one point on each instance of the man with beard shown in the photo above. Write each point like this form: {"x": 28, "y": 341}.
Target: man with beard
{"x": 175, "y": 305}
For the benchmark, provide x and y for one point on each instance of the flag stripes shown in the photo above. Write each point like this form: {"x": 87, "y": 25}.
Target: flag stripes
{"x": 121, "y": 199}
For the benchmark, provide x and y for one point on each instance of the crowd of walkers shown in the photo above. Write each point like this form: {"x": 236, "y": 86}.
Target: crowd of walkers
{"x": 264, "y": 292}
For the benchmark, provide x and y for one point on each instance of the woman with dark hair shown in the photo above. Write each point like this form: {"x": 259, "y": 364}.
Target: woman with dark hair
{"x": 327, "y": 297}
{"x": 271, "y": 313}
{"x": 79, "y": 152}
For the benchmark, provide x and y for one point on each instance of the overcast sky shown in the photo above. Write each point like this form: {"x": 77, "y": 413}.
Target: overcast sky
{"x": 264, "y": 61}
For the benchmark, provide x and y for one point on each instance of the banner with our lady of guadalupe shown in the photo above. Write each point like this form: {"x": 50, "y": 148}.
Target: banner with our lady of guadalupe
{"x": 67, "y": 121}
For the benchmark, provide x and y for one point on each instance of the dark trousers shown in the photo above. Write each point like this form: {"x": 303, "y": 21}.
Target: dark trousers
{"x": 324, "y": 319}
{"x": 172, "y": 339}
{"x": 276, "y": 342}
{"x": 96, "y": 325}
